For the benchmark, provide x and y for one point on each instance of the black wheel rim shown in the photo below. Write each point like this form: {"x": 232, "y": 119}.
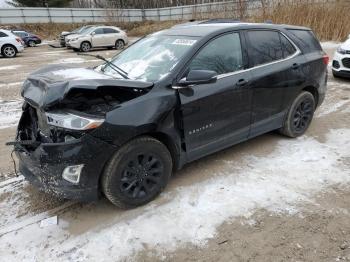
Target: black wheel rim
{"x": 303, "y": 115}
{"x": 142, "y": 176}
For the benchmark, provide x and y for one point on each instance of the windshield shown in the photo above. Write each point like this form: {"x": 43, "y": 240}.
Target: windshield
{"x": 81, "y": 30}
{"x": 151, "y": 58}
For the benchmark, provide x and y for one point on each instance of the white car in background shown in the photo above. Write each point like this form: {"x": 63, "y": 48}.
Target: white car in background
{"x": 99, "y": 36}
{"x": 10, "y": 44}
{"x": 341, "y": 60}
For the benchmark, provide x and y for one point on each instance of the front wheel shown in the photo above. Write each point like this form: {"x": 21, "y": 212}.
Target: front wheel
{"x": 85, "y": 46}
{"x": 299, "y": 116}
{"x": 137, "y": 173}
{"x": 31, "y": 43}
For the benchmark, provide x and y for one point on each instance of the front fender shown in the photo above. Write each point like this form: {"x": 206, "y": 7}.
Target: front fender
{"x": 146, "y": 114}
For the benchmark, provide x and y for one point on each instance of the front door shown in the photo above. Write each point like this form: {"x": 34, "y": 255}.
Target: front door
{"x": 98, "y": 38}
{"x": 217, "y": 115}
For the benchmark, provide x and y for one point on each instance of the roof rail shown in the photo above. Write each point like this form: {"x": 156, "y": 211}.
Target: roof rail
{"x": 221, "y": 20}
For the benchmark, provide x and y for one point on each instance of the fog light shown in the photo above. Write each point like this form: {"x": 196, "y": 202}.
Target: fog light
{"x": 72, "y": 173}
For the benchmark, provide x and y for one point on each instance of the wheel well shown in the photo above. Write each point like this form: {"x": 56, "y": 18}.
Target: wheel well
{"x": 86, "y": 42}
{"x": 313, "y": 91}
{"x": 120, "y": 40}
{"x": 9, "y": 45}
{"x": 169, "y": 143}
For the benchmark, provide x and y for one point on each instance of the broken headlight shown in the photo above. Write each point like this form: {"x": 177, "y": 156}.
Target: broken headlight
{"x": 73, "y": 121}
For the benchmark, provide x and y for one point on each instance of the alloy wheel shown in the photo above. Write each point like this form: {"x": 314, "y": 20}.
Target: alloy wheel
{"x": 9, "y": 51}
{"x": 141, "y": 176}
{"x": 119, "y": 45}
{"x": 85, "y": 47}
{"x": 31, "y": 43}
{"x": 303, "y": 115}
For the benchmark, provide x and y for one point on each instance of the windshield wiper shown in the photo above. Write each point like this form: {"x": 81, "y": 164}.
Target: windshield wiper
{"x": 109, "y": 63}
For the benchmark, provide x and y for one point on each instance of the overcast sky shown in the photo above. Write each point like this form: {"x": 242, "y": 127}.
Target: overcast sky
{"x": 3, "y": 4}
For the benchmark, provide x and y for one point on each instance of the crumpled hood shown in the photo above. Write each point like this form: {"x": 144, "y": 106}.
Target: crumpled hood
{"x": 49, "y": 85}
{"x": 71, "y": 36}
{"x": 346, "y": 45}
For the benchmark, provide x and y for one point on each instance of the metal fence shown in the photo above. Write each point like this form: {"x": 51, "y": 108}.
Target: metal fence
{"x": 229, "y": 9}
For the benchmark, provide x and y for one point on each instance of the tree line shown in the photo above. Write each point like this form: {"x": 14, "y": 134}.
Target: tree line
{"x": 108, "y": 3}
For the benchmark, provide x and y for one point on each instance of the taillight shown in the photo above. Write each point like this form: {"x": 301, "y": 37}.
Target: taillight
{"x": 19, "y": 40}
{"x": 326, "y": 59}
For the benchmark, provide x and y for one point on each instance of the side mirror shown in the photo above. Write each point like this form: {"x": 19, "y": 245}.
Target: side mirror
{"x": 197, "y": 77}
{"x": 93, "y": 33}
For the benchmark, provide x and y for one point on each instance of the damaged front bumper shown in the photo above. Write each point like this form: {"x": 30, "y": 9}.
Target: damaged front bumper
{"x": 43, "y": 165}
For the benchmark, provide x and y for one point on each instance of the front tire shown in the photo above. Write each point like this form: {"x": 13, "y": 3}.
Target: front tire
{"x": 299, "y": 116}
{"x": 8, "y": 51}
{"x": 137, "y": 173}
{"x": 31, "y": 43}
{"x": 85, "y": 47}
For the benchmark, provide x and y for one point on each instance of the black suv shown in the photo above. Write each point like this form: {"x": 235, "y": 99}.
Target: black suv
{"x": 120, "y": 129}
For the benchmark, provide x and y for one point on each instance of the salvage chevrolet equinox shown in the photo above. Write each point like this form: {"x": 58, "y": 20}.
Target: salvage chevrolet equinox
{"x": 122, "y": 128}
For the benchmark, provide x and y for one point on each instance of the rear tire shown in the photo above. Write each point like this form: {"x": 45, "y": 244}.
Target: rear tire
{"x": 8, "y": 51}
{"x": 119, "y": 44}
{"x": 137, "y": 173}
{"x": 299, "y": 115}
{"x": 85, "y": 46}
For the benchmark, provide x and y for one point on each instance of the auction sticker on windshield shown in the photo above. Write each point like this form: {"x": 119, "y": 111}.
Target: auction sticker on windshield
{"x": 184, "y": 42}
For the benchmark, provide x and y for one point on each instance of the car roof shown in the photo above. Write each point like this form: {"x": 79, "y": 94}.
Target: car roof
{"x": 203, "y": 28}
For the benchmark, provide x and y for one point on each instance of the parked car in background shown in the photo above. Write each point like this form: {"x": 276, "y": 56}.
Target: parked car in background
{"x": 10, "y": 44}
{"x": 341, "y": 60}
{"x": 65, "y": 34}
{"x": 99, "y": 36}
{"x": 201, "y": 88}
{"x": 29, "y": 39}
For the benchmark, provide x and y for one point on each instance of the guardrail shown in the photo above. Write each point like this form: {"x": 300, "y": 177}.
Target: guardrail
{"x": 228, "y": 9}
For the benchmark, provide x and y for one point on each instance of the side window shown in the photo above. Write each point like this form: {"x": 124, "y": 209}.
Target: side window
{"x": 308, "y": 40}
{"x": 2, "y": 34}
{"x": 99, "y": 31}
{"x": 110, "y": 31}
{"x": 288, "y": 48}
{"x": 222, "y": 55}
{"x": 265, "y": 47}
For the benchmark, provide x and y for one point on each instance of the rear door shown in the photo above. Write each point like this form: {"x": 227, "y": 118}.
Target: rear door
{"x": 111, "y": 36}
{"x": 274, "y": 71}
{"x": 3, "y": 38}
{"x": 217, "y": 115}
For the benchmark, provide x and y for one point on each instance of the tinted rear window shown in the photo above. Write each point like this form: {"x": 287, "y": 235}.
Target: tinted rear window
{"x": 308, "y": 40}
{"x": 265, "y": 47}
{"x": 2, "y": 34}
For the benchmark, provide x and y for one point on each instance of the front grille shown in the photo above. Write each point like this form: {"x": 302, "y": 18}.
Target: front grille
{"x": 336, "y": 64}
{"x": 347, "y": 52}
{"x": 346, "y": 62}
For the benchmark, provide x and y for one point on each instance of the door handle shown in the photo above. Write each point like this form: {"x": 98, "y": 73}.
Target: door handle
{"x": 241, "y": 82}
{"x": 295, "y": 66}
